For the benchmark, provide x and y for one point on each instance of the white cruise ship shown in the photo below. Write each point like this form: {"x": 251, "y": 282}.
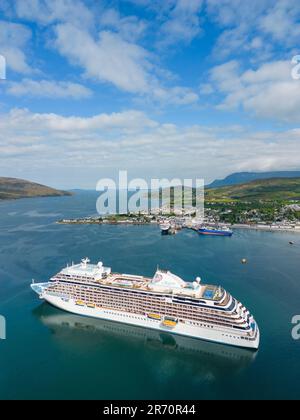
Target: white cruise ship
{"x": 164, "y": 303}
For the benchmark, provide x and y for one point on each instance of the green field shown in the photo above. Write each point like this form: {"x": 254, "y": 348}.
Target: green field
{"x": 267, "y": 190}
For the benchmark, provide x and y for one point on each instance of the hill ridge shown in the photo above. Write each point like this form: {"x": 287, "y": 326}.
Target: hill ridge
{"x": 243, "y": 177}
{"x": 271, "y": 189}
{"x": 16, "y": 188}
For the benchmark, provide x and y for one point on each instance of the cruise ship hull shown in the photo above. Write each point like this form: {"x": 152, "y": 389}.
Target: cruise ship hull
{"x": 207, "y": 334}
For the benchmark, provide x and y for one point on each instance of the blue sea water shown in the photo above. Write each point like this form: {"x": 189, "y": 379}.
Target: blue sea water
{"x": 50, "y": 354}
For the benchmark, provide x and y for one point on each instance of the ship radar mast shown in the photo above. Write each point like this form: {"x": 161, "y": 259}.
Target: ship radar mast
{"x": 85, "y": 262}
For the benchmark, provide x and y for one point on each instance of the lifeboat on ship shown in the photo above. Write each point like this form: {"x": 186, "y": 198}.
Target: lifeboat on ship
{"x": 170, "y": 323}
{"x": 157, "y": 317}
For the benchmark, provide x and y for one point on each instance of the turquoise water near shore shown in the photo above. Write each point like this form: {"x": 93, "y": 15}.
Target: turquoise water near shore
{"x": 52, "y": 354}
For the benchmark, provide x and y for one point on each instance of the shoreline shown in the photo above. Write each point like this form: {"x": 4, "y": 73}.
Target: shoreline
{"x": 266, "y": 228}
{"x": 105, "y": 222}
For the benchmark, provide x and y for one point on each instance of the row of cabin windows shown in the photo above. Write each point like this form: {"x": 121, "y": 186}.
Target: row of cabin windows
{"x": 179, "y": 309}
{"x": 132, "y": 308}
{"x": 125, "y": 299}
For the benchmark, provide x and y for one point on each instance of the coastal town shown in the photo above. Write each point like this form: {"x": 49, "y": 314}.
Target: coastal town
{"x": 237, "y": 216}
{"x": 271, "y": 205}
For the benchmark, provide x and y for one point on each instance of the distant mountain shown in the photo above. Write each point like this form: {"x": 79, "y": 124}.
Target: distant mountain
{"x": 274, "y": 189}
{"x": 243, "y": 177}
{"x": 12, "y": 188}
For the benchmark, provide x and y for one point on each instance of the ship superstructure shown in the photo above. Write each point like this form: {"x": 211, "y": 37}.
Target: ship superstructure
{"x": 165, "y": 302}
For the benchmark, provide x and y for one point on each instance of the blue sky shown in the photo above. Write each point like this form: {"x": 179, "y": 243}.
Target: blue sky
{"x": 173, "y": 88}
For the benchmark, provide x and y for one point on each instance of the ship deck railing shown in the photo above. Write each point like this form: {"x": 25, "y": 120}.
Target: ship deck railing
{"x": 142, "y": 283}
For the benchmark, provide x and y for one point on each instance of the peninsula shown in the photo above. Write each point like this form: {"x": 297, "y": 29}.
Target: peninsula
{"x": 13, "y": 188}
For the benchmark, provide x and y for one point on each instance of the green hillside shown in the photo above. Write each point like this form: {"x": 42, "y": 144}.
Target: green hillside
{"x": 12, "y": 188}
{"x": 266, "y": 190}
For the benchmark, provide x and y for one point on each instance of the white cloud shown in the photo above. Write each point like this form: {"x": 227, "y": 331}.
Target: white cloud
{"x": 101, "y": 145}
{"x": 13, "y": 41}
{"x": 255, "y": 26}
{"x": 156, "y": 5}
{"x": 29, "y": 122}
{"x": 176, "y": 96}
{"x": 48, "y": 89}
{"x": 178, "y": 20}
{"x": 183, "y": 22}
{"x": 104, "y": 44}
{"x": 129, "y": 27}
{"x": 281, "y": 21}
{"x": 108, "y": 58}
{"x": 247, "y": 26}
{"x": 50, "y": 11}
{"x": 267, "y": 92}
{"x": 235, "y": 12}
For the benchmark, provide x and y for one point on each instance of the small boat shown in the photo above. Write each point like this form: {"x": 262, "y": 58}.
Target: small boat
{"x": 80, "y": 303}
{"x": 154, "y": 316}
{"x": 292, "y": 243}
{"x": 165, "y": 228}
{"x": 244, "y": 261}
{"x": 91, "y": 305}
{"x": 172, "y": 230}
{"x": 215, "y": 231}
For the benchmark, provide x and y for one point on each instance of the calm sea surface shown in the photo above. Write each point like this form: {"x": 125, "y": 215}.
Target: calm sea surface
{"x": 52, "y": 354}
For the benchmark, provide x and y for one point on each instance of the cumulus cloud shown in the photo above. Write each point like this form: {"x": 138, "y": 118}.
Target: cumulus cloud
{"x": 183, "y": 22}
{"x": 36, "y": 122}
{"x": 106, "y": 45}
{"x": 281, "y": 21}
{"x": 104, "y": 143}
{"x": 176, "y": 95}
{"x": 267, "y": 92}
{"x": 108, "y": 58}
{"x": 13, "y": 41}
{"x": 274, "y": 22}
{"x": 48, "y": 89}
{"x": 178, "y": 20}
{"x": 130, "y": 27}
{"x": 46, "y": 12}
